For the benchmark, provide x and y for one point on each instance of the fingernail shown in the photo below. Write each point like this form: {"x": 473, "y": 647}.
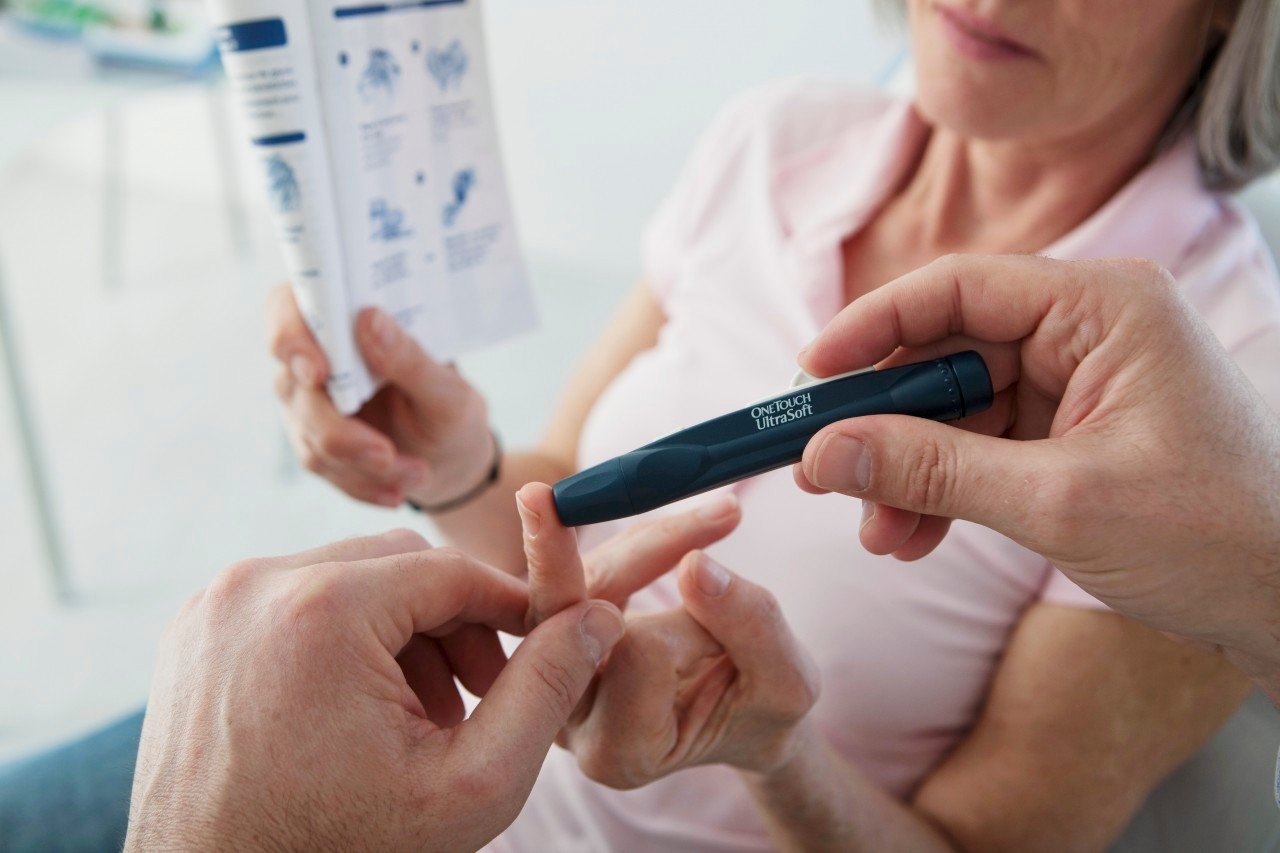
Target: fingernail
{"x": 383, "y": 328}
{"x": 868, "y": 513}
{"x": 601, "y": 630}
{"x": 719, "y": 508}
{"x": 843, "y": 465}
{"x": 303, "y": 371}
{"x": 713, "y": 579}
{"x": 530, "y": 520}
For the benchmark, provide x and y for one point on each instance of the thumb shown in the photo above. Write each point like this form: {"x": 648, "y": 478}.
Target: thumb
{"x": 392, "y": 354}
{"x": 746, "y": 620}
{"x": 930, "y": 468}
{"x": 516, "y": 723}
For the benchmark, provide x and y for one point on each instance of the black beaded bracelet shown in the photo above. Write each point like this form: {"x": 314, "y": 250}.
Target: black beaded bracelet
{"x": 495, "y": 471}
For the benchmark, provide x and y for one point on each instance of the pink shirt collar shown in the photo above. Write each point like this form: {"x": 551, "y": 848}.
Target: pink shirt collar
{"x": 831, "y": 191}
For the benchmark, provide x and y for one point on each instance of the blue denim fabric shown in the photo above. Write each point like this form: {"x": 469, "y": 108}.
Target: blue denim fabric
{"x": 73, "y": 799}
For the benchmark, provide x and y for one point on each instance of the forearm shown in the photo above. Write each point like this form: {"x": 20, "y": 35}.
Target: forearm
{"x": 488, "y": 527}
{"x": 819, "y": 801}
{"x": 1251, "y": 640}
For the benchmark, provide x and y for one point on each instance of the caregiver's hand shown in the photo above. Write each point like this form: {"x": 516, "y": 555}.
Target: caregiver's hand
{"x": 424, "y": 435}
{"x": 308, "y": 703}
{"x": 1159, "y": 488}
{"x": 720, "y": 680}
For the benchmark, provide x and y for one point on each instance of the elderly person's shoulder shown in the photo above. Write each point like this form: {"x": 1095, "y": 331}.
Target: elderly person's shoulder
{"x": 739, "y": 181}
{"x": 788, "y": 118}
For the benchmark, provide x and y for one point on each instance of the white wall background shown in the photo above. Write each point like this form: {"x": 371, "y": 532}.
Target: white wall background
{"x": 601, "y": 100}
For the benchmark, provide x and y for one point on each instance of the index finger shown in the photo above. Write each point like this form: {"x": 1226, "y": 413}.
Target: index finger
{"x": 994, "y": 299}
{"x": 557, "y": 579}
{"x": 291, "y": 340}
{"x": 406, "y": 594}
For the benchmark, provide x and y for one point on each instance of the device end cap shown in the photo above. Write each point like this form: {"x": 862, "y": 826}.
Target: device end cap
{"x": 974, "y": 381}
{"x": 593, "y": 496}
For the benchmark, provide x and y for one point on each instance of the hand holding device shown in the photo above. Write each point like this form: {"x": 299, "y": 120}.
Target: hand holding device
{"x": 1149, "y": 470}
{"x": 767, "y": 435}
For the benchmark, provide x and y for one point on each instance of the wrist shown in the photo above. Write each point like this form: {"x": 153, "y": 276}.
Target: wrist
{"x": 475, "y": 484}
{"x": 791, "y": 758}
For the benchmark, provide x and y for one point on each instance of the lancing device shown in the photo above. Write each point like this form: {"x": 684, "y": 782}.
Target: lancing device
{"x": 768, "y": 435}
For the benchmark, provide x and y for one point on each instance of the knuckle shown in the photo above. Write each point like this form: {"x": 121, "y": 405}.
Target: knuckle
{"x": 283, "y": 384}
{"x": 451, "y": 559}
{"x": 559, "y": 682}
{"x": 282, "y": 338}
{"x": 407, "y": 540}
{"x": 316, "y": 598}
{"x": 233, "y": 582}
{"x": 279, "y": 342}
{"x": 1148, "y": 272}
{"x": 929, "y": 473}
{"x": 310, "y": 460}
{"x": 329, "y": 443}
{"x": 187, "y": 613}
{"x": 766, "y": 610}
{"x": 952, "y": 267}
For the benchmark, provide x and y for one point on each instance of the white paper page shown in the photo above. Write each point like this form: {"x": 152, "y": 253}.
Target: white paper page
{"x": 268, "y": 54}
{"x": 419, "y": 196}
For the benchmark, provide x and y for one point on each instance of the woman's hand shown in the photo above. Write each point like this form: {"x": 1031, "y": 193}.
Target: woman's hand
{"x": 424, "y": 436}
{"x": 720, "y": 680}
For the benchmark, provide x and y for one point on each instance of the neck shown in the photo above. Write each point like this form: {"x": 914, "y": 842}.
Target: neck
{"x": 999, "y": 196}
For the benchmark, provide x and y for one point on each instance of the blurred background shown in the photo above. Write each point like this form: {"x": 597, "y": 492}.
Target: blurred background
{"x": 140, "y": 446}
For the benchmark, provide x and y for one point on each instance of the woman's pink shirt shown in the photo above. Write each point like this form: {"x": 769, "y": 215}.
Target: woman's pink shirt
{"x": 745, "y": 257}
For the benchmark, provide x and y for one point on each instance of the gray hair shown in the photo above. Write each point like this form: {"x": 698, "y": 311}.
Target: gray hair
{"x": 1233, "y": 107}
{"x": 1237, "y": 105}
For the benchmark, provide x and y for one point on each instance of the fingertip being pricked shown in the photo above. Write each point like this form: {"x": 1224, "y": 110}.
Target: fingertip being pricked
{"x": 536, "y": 505}
{"x": 530, "y": 521}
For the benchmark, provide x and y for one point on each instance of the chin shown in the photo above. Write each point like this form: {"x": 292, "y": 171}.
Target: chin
{"x": 975, "y": 97}
{"x": 988, "y": 105}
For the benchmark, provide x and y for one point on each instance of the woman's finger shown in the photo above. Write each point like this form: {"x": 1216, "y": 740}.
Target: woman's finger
{"x": 630, "y": 562}
{"x": 342, "y": 441}
{"x": 291, "y": 342}
{"x": 633, "y": 728}
{"x": 747, "y": 621}
{"x": 556, "y": 578}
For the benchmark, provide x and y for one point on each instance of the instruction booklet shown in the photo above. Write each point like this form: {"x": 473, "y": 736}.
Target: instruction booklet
{"x": 374, "y": 130}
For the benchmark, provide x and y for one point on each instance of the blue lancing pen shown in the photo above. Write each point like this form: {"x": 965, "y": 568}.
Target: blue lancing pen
{"x": 768, "y": 435}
